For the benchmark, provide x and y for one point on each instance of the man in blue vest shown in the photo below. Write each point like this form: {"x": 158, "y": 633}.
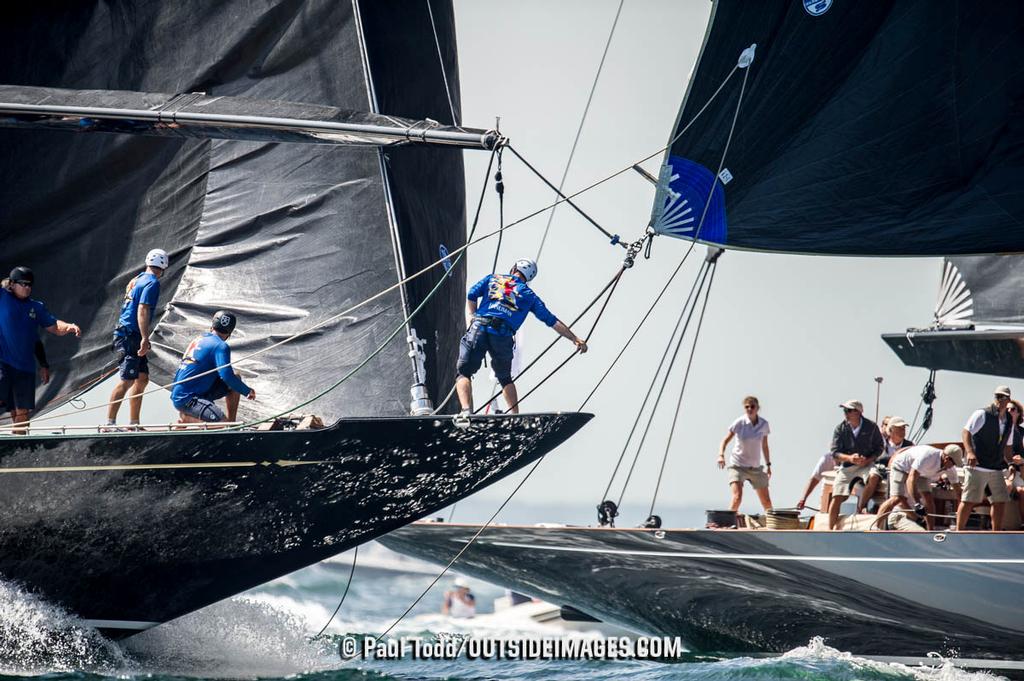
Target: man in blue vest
{"x": 986, "y": 438}
{"x": 131, "y": 337}
{"x": 20, "y": 319}
{"x": 507, "y": 299}
{"x": 205, "y": 375}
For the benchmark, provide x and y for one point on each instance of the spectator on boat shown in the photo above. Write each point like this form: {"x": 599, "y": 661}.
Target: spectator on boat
{"x": 913, "y": 470}
{"x": 856, "y": 443}
{"x": 205, "y": 376}
{"x": 894, "y": 431}
{"x": 1016, "y": 443}
{"x": 507, "y": 299}
{"x": 751, "y": 433}
{"x": 21, "y": 317}
{"x": 1015, "y": 488}
{"x": 989, "y": 443}
{"x": 131, "y": 337}
{"x": 460, "y": 601}
{"x": 825, "y": 464}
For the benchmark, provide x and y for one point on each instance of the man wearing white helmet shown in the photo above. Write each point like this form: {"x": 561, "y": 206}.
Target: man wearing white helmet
{"x": 131, "y": 336}
{"x": 507, "y": 299}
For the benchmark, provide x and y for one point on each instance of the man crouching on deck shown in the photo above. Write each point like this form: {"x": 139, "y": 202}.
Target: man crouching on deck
{"x": 208, "y": 358}
{"x": 507, "y": 300}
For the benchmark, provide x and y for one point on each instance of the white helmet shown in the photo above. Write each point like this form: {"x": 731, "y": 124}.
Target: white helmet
{"x": 158, "y": 258}
{"x": 527, "y": 267}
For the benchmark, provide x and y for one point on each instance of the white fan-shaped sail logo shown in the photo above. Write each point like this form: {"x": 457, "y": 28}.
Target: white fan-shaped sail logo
{"x": 672, "y": 212}
{"x": 955, "y": 304}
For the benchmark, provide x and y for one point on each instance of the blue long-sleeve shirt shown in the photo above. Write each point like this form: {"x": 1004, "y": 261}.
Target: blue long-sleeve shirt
{"x": 509, "y": 298}
{"x": 205, "y": 353}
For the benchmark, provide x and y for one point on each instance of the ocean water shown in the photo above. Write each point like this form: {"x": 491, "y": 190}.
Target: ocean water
{"x": 267, "y": 633}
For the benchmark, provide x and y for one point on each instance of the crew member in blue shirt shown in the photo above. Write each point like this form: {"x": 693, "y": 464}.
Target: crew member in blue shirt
{"x": 209, "y": 359}
{"x": 131, "y": 337}
{"x": 507, "y": 299}
{"x": 20, "y": 319}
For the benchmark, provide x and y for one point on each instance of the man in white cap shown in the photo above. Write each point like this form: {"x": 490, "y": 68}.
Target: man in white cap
{"x": 131, "y": 336}
{"x": 459, "y": 602}
{"x": 913, "y": 470}
{"x": 894, "y": 432}
{"x": 856, "y": 443}
{"x": 986, "y": 438}
{"x": 507, "y": 300}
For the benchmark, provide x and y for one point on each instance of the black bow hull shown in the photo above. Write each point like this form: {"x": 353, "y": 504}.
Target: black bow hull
{"x": 131, "y": 530}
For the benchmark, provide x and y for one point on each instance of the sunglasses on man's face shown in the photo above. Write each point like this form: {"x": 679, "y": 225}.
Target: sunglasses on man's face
{"x": 848, "y": 411}
{"x": 1001, "y": 398}
{"x": 749, "y": 407}
{"x": 26, "y": 284}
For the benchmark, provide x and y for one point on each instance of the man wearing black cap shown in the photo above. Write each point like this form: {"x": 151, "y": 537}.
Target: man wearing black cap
{"x": 856, "y": 443}
{"x": 205, "y": 375}
{"x": 986, "y": 436}
{"x": 20, "y": 319}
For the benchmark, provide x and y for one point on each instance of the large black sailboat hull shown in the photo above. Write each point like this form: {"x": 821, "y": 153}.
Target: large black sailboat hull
{"x": 131, "y": 530}
{"x": 879, "y": 594}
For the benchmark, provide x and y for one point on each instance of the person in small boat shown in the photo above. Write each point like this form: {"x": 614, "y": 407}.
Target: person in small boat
{"x": 751, "y": 433}
{"x": 131, "y": 337}
{"x": 989, "y": 444}
{"x": 205, "y": 376}
{"x": 894, "y": 431}
{"x": 910, "y": 479}
{"x": 825, "y": 464}
{"x": 507, "y": 299}
{"x": 856, "y": 443}
{"x": 21, "y": 317}
{"x": 460, "y": 601}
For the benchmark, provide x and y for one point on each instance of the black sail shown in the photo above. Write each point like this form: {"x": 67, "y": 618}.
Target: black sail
{"x": 978, "y": 321}
{"x": 287, "y": 235}
{"x": 866, "y": 128}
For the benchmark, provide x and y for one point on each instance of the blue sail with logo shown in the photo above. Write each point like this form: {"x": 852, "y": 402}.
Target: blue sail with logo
{"x": 865, "y": 128}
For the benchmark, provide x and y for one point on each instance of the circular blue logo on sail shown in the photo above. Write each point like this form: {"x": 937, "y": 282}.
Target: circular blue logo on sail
{"x": 817, "y": 7}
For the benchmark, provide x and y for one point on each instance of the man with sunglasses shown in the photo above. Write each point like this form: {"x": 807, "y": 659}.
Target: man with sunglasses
{"x": 20, "y": 319}
{"x": 856, "y": 443}
{"x": 987, "y": 439}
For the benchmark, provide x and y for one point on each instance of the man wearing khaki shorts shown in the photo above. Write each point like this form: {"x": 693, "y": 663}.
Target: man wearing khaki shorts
{"x": 986, "y": 437}
{"x": 751, "y": 433}
{"x": 856, "y": 443}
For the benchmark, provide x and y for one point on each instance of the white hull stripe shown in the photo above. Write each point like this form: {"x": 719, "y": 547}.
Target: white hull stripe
{"x": 759, "y": 556}
{"x": 159, "y": 466}
{"x": 119, "y": 624}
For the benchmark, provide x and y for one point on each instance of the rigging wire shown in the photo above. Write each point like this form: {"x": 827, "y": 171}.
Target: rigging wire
{"x": 664, "y": 382}
{"x": 499, "y": 187}
{"x": 579, "y": 130}
{"x": 613, "y": 237}
{"x": 348, "y": 585}
{"x": 682, "y": 388}
{"x": 434, "y": 264}
{"x": 654, "y": 380}
{"x": 440, "y": 60}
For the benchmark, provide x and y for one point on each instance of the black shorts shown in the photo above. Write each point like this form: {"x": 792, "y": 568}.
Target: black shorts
{"x": 476, "y": 343}
{"x": 17, "y": 388}
{"x": 126, "y": 345}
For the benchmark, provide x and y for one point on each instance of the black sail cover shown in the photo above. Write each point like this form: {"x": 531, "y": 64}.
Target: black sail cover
{"x": 889, "y": 127}
{"x": 285, "y": 235}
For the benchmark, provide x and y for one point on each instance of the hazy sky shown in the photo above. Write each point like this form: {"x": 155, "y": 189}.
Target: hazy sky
{"x": 801, "y": 333}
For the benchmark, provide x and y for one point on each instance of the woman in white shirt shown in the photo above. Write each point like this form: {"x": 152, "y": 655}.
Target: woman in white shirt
{"x": 751, "y": 433}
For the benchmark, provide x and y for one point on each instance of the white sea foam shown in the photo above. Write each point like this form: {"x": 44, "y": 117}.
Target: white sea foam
{"x": 241, "y": 637}
{"x": 38, "y": 637}
{"x": 817, "y": 650}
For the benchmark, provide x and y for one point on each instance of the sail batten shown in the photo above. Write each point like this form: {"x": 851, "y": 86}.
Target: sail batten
{"x": 237, "y": 118}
